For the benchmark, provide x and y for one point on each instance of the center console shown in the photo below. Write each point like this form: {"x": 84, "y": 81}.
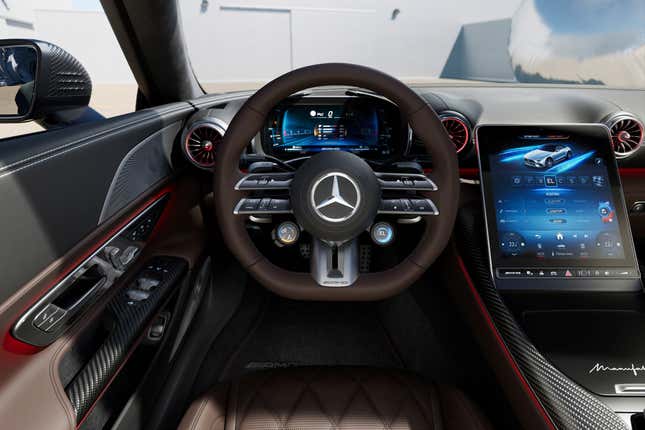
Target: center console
{"x": 554, "y": 208}
{"x": 563, "y": 282}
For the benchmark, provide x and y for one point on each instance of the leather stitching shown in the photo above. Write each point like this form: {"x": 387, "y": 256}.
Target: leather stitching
{"x": 333, "y": 422}
{"x": 468, "y": 410}
{"x": 373, "y": 405}
{"x": 406, "y": 383}
{"x": 349, "y": 403}
{"x": 256, "y": 394}
{"x": 295, "y": 405}
{"x": 198, "y": 414}
{"x": 437, "y": 419}
{"x": 254, "y": 399}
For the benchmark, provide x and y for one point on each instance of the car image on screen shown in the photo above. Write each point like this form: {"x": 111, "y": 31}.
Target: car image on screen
{"x": 547, "y": 156}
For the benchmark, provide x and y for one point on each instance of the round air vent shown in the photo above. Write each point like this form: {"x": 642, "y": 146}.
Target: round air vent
{"x": 458, "y": 129}
{"x": 626, "y": 134}
{"x": 201, "y": 141}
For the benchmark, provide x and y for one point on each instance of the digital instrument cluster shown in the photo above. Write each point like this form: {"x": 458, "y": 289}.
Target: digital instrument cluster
{"x": 370, "y": 127}
{"x": 554, "y": 204}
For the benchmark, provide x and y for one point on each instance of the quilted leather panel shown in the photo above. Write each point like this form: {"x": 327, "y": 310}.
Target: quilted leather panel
{"x": 332, "y": 398}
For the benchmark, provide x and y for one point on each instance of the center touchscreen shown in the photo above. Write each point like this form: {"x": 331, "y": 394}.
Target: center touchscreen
{"x": 554, "y": 204}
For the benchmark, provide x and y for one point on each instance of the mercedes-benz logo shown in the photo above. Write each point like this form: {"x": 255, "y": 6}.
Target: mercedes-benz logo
{"x": 335, "y": 197}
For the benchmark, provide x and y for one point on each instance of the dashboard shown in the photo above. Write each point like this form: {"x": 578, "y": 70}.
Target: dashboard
{"x": 559, "y": 165}
{"x": 368, "y": 124}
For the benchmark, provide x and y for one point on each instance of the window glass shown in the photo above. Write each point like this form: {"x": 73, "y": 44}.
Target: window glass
{"x": 241, "y": 44}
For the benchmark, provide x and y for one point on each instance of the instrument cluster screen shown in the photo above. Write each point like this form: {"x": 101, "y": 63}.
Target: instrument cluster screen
{"x": 371, "y": 129}
{"x": 553, "y": 197}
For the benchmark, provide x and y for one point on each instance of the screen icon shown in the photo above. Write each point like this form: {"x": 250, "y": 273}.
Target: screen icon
{"x": 550, "y": 181}
{"x": 606, "y": 212}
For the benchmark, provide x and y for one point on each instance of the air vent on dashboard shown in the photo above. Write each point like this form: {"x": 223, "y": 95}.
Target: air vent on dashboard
{"x": 201, "y": 141}
{"x": 457, "y": 128}
{"x": 626, "y": 133}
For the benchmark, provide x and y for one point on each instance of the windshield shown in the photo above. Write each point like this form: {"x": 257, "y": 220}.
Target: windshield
{"x": 237, "y": 45}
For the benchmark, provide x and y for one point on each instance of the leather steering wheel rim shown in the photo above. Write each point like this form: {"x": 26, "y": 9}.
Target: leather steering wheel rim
{"x": 426, "y": 125}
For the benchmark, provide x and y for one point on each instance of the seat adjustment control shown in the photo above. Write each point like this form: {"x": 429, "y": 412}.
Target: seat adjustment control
{"x": 147, "y": 283}
{"x": 137, "y": 295}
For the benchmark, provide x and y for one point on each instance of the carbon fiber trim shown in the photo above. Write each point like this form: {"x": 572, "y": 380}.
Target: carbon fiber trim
{"x": 129, "y": 320}
{"x": 569, "y": 405}
{"x": 67, "y": 76}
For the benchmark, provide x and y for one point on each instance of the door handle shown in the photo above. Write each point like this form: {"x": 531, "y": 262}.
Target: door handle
{"x": 87, "y": 282}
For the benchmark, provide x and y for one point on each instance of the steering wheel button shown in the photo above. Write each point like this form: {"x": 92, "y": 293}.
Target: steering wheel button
{"x": 264, "y": 204}
{"x": 382, "y": 233}
{"x": 421, "y": 205}
{"x": 279, "y": 205}
{"x": 390, "y": 205}
{"x": 250, "y": 204}
{"x": 287, "y": 233}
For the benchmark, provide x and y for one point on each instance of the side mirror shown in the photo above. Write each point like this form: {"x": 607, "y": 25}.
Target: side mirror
{"x": 39, "y": 80}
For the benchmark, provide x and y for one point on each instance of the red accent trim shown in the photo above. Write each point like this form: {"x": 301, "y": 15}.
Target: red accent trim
{"x": 16, "y": 346}
{"x": 632, "y": 171}
{"x": 463, "y": 144}
{"x": 507, "y": 354}
{"x": 469, "y": 172}
{"x": 12, "y": 344}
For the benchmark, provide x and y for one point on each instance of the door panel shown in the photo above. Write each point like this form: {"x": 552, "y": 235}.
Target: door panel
{"x": 56, "y": 187}
{"x": 65, "y": 194}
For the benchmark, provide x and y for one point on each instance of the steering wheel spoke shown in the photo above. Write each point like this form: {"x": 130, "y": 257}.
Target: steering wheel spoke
{"x": 335, "y": 265}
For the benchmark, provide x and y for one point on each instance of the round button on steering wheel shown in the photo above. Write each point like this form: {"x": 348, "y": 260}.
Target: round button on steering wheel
{"x": 335, "y": 195}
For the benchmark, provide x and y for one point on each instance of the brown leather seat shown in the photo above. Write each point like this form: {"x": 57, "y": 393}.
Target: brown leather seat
{"x": 332, "y": 398}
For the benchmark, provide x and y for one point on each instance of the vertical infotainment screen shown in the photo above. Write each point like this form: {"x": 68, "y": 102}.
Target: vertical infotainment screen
{"x": 553, "y": 200}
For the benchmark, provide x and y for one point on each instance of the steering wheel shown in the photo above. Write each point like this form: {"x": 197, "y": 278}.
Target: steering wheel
{"x": 335, "y": 195}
